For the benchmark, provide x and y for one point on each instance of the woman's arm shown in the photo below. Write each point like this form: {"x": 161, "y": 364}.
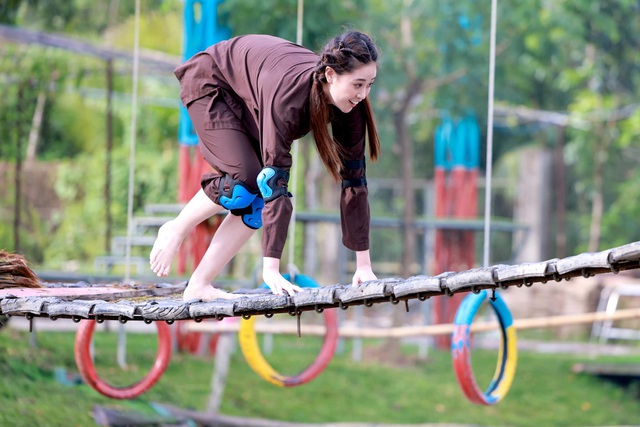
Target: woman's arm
{"x": 364, "y": 272}
{"x": 274, "y": 279}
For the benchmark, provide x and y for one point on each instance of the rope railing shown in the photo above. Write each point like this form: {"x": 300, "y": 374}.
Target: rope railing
{"x": 262, "y": 302}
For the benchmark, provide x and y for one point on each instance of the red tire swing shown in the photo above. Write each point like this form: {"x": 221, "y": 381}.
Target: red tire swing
{"x": 252, "y": 354}
{"x": 461, "y": 350}
{"x": 88, "y": 372}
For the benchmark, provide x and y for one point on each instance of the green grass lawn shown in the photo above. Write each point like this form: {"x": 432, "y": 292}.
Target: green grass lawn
{"x": 545, "y": 392}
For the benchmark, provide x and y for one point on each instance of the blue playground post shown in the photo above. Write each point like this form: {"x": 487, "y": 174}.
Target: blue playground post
{"x": 201, "y": 30}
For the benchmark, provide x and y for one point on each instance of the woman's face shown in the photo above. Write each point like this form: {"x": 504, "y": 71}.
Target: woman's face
{"x": 346, "y": 90}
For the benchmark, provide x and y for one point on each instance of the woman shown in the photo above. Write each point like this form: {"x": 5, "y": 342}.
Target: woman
{"x": 249, "y": 98}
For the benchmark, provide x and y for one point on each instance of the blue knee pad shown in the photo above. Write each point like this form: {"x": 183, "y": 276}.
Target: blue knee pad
{"x": 237, "y": 196}
{"x": 252, "y": 215}
{"x": 268, "y": 183}
{"x": 243, "y": 202}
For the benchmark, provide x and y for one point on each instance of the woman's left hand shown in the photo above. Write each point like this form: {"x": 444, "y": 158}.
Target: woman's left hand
{"x": 276, "y": 281}
{"x": 363, "y": 274}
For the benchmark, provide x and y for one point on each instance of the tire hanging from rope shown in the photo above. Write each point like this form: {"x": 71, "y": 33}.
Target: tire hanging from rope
{"x": 461, "y": 342}
{"x": 252, "y": 354}
{"x": 87, "y": 369}
{"x": 461, "y": 350}
{"x": 246, "y": 334}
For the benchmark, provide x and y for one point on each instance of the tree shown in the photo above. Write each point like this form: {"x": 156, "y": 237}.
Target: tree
{"x": 430, "y": 56}
{"x": 578, "y": 58}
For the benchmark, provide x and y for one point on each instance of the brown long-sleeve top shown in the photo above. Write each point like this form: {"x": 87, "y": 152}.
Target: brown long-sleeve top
{"x": 266, "y": 81}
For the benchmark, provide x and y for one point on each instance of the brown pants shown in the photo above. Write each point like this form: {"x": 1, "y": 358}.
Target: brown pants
{"x": 230, "y": 152}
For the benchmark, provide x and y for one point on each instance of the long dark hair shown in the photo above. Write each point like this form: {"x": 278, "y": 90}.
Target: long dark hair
{"x": 343, "y": 53}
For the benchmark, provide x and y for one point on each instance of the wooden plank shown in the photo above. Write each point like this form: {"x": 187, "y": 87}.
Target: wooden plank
{"x": 419, "y": 285}
{"x": 25, "y": 305}
{"x": 80, "y": 309}
{"x": 466, "y": 280}
{"x": 217, "y": 308}
{"x": 92, "y": 292}
{"x": 260, "y": 303}
{"x": 124, "y": 309}
{"x": 218, "y": 420}
{"x": 165, "y": 310}
{"x": 372, "y": 290}
{"x": 628, "y": 252}
{"x": 528, "y": 270}
{"x": 316, "y": 296}
{"x": 586, "y": 260}
{"x": 630, "y": 370}
{"x": 114, "y": 417}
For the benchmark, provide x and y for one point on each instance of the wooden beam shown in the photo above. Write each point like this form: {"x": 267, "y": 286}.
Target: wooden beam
{"x": 148, "y": 59}
{"x": 608, "y": 369}
{"x": 290, "y": 328}
{"x": 218, "y": 420}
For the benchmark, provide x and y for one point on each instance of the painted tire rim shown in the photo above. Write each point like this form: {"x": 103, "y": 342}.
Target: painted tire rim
{"x": 461, "y": 350}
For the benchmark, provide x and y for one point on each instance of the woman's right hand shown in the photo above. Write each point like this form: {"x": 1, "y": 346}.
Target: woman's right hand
{"x": 274, "y": 280}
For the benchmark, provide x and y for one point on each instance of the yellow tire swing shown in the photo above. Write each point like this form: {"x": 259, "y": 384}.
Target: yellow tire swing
{"x": 256, "y": 361}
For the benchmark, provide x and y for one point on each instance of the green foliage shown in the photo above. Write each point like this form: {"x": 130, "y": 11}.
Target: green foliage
{"x": 9, "y": 10}
{"x": 80, "y": 225}
{"x": 160, "y": 28}
{"x": 25, "y": 74}
{"x": 72, "y": 127}
{"x": 81, "y": 16}
{"x": 322, "y": 19}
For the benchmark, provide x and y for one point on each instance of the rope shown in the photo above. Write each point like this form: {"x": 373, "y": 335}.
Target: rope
{"x": 300, "y": 21}
{"x": 122, "y": 346}
{"x": 132, "y": 152}
{"x": 294, "y": 168}
{"x": 489, "y": 161}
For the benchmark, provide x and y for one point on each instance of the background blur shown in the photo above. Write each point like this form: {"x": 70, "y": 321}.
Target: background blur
{"x": 565, "y": 135}
{"x": 565, "y": 181}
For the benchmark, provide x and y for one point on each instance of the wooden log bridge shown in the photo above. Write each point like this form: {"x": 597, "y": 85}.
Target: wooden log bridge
{"x": 123, "y": 303}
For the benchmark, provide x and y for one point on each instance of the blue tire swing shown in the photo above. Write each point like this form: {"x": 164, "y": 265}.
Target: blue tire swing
{"x": 461, "y": 349}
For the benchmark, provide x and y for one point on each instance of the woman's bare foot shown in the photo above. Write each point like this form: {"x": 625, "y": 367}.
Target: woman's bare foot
{"x": 165, "y": 248}
{"x": 206, "y": 293}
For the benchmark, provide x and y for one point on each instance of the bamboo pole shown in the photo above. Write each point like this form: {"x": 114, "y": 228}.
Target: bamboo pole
{"x": 290, "y": 328}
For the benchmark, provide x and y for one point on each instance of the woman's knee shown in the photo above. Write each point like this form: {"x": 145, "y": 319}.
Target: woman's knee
{"x": 248, "y": 175}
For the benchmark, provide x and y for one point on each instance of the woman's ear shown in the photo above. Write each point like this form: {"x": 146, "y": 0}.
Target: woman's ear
{"x": 329, "y": 74}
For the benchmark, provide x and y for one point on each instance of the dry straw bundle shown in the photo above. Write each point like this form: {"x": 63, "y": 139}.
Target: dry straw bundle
{"x": 15, "y": 273}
